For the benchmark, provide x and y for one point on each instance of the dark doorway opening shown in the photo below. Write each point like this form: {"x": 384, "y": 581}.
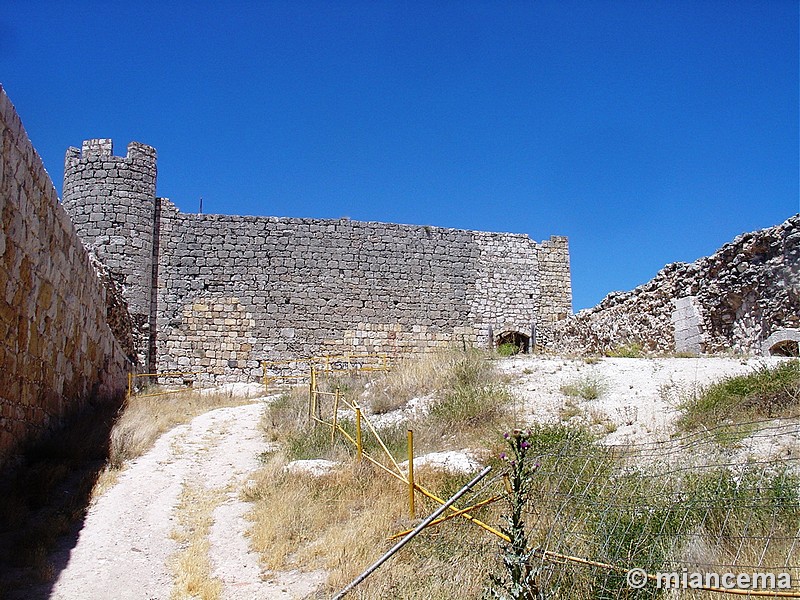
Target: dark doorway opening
{"x": 785, "y": 348}
{"x": 513, "y": 342}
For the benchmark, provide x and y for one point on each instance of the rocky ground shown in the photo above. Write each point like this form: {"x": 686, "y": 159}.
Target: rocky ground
{"x": 126, "y": 543}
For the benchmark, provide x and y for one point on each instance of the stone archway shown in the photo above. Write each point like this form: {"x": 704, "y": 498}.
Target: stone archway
{"x": 783, "y": 342}
{"x": 519, "y": 341}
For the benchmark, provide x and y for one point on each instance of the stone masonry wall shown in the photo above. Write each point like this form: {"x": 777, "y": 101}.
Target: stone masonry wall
{"x": 738, "y": 297}
{"x": 56, "y": 349}
{"x": 111, "y": 201}
{"x": 218, "y": 294}
{"x": 236, "y": 290}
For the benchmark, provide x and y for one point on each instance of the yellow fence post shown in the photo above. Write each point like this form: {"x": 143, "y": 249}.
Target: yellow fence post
{"x": 130, "y": 385}
{"x": 359, "y": 448}
{"x": 311, "y": 395}
{"x": 335, "y": 415}
{"x": 411, "y": 473}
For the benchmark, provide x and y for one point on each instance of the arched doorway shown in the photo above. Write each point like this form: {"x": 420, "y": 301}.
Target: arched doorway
{"x": 785, "y": 348}
{"x": 513, "y": 342}
{"x": 783, "y": 342}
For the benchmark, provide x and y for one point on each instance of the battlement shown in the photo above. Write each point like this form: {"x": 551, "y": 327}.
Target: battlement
{"x": 102, "y": 149}
{"x": 98, "y": 148}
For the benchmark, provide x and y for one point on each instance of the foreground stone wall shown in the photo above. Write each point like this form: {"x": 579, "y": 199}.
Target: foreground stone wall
{"x": 732, "y": 300}
{"x": 56, "y": 349}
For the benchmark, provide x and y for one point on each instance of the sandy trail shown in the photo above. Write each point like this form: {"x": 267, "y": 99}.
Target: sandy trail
{"x": 124, "y": 548}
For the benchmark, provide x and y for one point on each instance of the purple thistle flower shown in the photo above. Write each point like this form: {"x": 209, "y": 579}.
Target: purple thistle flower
{"x": 503, "y": 456}
{"x": 525, "y": 445}
{"x": 505, "y": 435}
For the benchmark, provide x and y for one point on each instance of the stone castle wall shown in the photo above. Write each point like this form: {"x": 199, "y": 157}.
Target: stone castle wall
{"x": 56, "y": 349}
{"x": 229, "y": 291}
{"x": 111, "y": 201}
{"x": 732, "y": 300}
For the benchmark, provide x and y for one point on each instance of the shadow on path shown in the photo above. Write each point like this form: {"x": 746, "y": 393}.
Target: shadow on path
{"x": 44, "y": 500}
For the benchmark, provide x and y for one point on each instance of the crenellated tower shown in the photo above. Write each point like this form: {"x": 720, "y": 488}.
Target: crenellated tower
{"x": 112, "y": 202}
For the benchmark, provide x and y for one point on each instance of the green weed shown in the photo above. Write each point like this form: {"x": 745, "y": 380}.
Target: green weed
{"x": 588, "y": 387}
{"x": 766, "y": 392}
{"x": 631, "y": 350}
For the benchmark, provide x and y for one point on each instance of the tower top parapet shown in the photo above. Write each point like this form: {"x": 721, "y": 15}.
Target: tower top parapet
{"x": 103, "y": 149}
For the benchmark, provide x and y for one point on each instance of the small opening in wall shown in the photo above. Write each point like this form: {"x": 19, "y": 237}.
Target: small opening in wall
{"x": 513, "y": 342}
{"x": 287, "y": 301}
{"x": 530, "y": 296}
{"x": 785, "y": 348}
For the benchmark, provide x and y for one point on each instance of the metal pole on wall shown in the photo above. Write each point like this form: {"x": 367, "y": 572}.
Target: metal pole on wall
{"x": 532, "y": 347}
{"x": 491, "y": 337}
{"x": 416, "y": 530}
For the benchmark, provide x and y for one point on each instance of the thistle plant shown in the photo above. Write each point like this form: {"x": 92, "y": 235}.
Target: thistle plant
{"x": 517, "y": 581}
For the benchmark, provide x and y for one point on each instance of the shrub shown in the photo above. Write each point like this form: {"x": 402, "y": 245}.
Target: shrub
{"x": 507, "y": 349}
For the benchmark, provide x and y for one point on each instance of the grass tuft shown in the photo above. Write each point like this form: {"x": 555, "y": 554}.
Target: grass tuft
{"x": 631, "y": 350}
{"x": 191, "y": 566}
{"x": 588, "y": 387}
{"x": 766, "y": 392}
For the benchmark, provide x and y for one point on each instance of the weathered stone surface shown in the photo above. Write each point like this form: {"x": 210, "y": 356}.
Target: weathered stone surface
{"x": 56, "y": 348}
{"x": 228, "y": 290}
{"x": 732, "y": 300}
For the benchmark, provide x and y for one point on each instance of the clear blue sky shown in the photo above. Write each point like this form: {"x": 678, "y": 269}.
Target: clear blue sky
{"x": 648, "y": 132}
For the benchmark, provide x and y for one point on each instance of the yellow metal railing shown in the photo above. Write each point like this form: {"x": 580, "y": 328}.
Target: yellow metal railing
{"x": 132, "y": 377}
{"x": 299, "y": 370}
{"x": 362, "y": 422}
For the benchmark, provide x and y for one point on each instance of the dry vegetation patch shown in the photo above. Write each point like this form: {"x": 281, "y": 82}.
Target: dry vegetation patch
{"x": 191, "y": 566}
{"x": 144, "y": 418}
{"x": 341, "y": 521}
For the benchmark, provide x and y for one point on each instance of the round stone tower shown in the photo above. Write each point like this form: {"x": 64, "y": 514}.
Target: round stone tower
{"x": 112, "y": 202}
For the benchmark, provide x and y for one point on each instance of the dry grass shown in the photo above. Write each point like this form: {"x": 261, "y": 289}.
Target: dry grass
{"x": 467, "y": 403}
{"x": 145, "y": 418}
{"x": 191, "y": 566}
{"x": 341, "y": 523}
{"x": 414, "y": 377}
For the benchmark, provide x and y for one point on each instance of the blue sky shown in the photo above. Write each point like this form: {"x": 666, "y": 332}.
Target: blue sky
{"x": 648, "y": 132}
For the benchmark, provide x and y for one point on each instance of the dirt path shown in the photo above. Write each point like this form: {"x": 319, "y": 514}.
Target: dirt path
{"x": 125, "y": 546}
